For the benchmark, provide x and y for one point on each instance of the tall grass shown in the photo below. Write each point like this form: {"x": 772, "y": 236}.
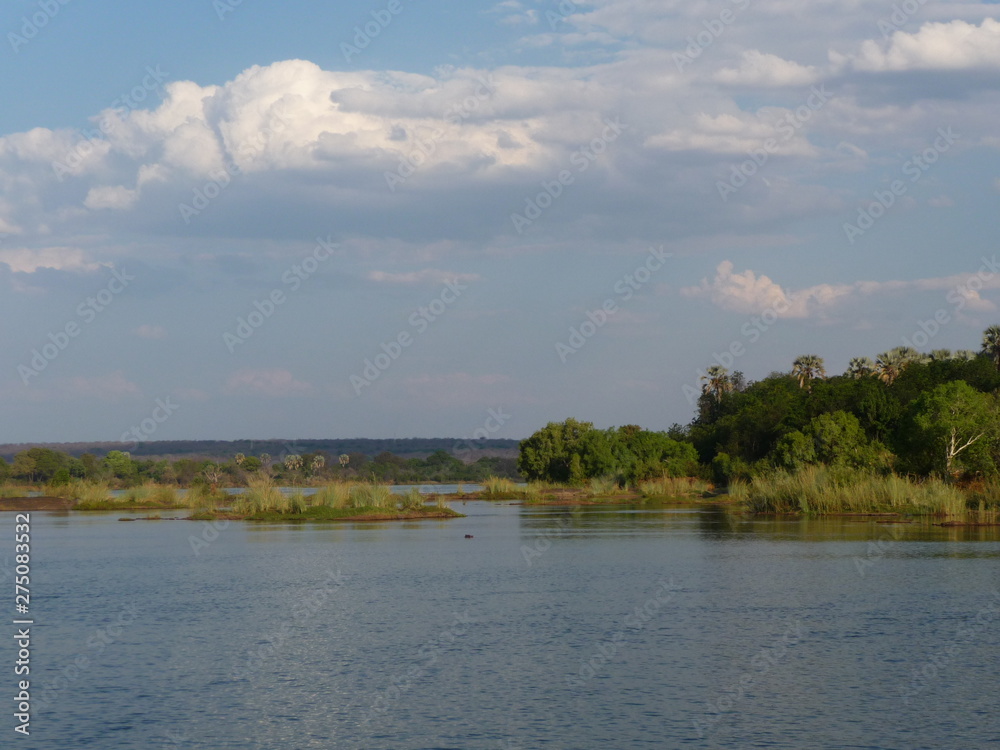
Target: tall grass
{"x": 371, "y": 495}
{"x": 336, "y": 495}
{"x": 260, "y": 496}
{"x": 412, "y": 500}
{"x": 91, "y": 493}
{"x": 824, "y": 489}
{"x": 602, "y": 486}
{"x": 498, "y": 487}
{"x": 673, "y": 487}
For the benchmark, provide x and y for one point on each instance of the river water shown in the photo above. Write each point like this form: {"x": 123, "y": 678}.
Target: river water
{"x": 553, "y": 627}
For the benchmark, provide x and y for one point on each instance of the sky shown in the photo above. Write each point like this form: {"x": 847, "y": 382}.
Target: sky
{"x": 445, "y": 218}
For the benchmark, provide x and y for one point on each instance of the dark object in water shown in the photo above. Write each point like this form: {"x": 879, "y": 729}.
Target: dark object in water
{"x": 468, "y": 536}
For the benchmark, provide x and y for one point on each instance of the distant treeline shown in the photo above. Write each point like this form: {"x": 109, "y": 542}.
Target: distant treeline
{"x": 223, "y": 450}
{"x": 43, "y": 465}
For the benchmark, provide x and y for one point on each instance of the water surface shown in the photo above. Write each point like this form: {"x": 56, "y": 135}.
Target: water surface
{"x": 600, "y": 627}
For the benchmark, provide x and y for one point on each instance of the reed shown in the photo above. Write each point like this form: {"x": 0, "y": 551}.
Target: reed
{"x": 412, "y": 500}
{"x": 260, "y": 496}
{"x": 824, "y": 490}
{"x": 498, "y": 487}
{"x": 602, "y": 486}
{"x": 371, "y": 495}
{"x": 533, "y": 492}
{"x": 337, "y": 495}
{"x": 673, "y": 487}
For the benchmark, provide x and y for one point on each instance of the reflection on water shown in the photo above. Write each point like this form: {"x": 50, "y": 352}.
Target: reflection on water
{"x": 552, "y": 626}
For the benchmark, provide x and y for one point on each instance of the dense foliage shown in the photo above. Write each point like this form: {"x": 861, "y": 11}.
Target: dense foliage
{"x": 47, "y": 466}
{"x": 573, "y": 452}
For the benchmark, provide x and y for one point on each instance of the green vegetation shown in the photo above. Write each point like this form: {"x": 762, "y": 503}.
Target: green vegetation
{"x": 825, "y": 489}
{"x": 904, "y": 432}
{"x": 575, "y": 452}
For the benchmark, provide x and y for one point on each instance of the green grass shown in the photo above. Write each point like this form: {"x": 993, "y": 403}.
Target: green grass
{"x": 326, "y": 513}
{"x": 412, "y": 500}
{"x": 495, "y": 488}
{"x": 826, "y": 490}
{"x": 603, "y": 486}
{"x": 336, "y": 495}
{"x": 371, "y": 495}
{"x": 673, "y": 487}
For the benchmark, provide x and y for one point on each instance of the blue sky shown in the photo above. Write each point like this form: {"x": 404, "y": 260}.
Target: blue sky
{"x": 542, "y": 209}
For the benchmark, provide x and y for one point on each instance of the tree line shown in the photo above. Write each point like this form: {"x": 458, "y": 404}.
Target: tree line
{"x": 40, "y": 465}
{"x": 904, "y": 411}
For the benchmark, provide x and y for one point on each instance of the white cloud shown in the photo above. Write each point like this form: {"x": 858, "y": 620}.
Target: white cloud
{"x": 764, "y": 69}
{"x": 955, "y": 45}
{"x": 749, "y": 293}
{"x": 23, "y": 260}
{"x": 110, "y": 197}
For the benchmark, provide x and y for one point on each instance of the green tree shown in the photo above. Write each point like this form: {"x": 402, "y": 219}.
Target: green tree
{"x": 807, "y": 368}
{"x": 794, "y": 451}
{"x": 548, "y": 453}
{"x": 991, "y": 344}
{"x": 950, "y": 428}
{"x": 120, "y": 465}
{"x": 24, "y": 467}
{"x": 860, "y": 367}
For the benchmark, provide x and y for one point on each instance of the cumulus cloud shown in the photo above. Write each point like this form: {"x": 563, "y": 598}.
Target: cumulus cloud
{"x": 955, "y": 45}
{"x": 750, "y": 293}
{"x": 765, "y": 70}
{"x": 269, "y": 383}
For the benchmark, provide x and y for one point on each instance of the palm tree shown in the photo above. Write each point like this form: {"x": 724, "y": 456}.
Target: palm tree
{"x": 941, "y": 355}
{"x": 860, "y": 367}
{"x": 991, "y": 344}
{"x": 717, "y": 381}
{"x": 889, "y": 365}
{"x": 807, "y": 367}
{"x": 965, "y": 355}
